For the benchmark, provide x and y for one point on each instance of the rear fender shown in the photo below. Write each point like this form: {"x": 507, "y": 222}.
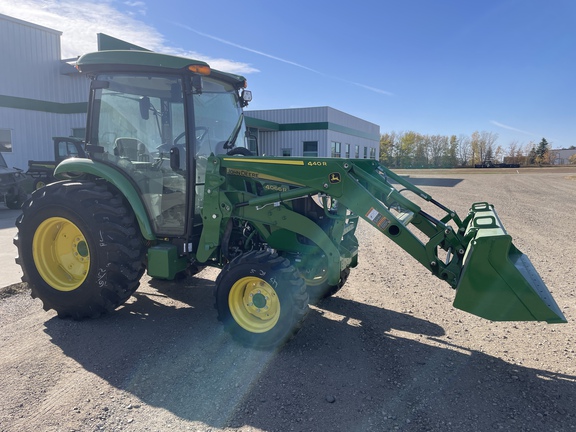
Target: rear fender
{"x": 115, "y": 177}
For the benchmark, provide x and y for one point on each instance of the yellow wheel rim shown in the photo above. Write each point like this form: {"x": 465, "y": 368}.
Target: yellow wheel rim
{"x": 40, "y": 184}
{"x": 254, "y": 304}
{"x": 316, "y": 275}
{"x": 315, "y": 280}
{"x": 61, "y": 254}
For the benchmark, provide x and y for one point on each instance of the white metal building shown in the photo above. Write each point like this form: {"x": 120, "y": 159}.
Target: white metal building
{"x": 41, "y": 95}
{"x": 317, "y": 131}
{"x": 561, "y": 156}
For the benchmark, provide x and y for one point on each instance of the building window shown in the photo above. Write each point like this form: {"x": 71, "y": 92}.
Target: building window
{"x": 336, "y": 149}
{"x": 347, "y": 151}
{"x": 5, "y": 140}
{"x": 365, "y": 152}
{"x": 286, "y": 152}
{"x": 310, "y": 149}
{"x": 372, "y": 153}
{"x": 357, "y": 152}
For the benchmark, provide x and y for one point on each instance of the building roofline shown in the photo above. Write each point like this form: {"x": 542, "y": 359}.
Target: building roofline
{"x": 323, "y": 107}
{"x": 29, "y": 24}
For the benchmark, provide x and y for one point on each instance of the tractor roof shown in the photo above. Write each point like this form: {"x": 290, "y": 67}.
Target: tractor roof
{"x": 147, "y": 61}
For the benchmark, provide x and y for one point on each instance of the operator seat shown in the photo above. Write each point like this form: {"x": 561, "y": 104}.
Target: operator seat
{"x": 131, "y": 148}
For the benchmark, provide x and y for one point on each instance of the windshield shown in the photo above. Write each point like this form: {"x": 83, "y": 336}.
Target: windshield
{"x": 219, "y": 126}
{"x": 218, "y": 117}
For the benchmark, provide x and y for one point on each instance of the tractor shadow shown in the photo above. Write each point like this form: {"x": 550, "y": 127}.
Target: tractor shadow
{"x": 344, "y": 370}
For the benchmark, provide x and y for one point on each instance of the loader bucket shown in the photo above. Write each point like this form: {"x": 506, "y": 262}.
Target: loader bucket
{"x": 498, "y": 282}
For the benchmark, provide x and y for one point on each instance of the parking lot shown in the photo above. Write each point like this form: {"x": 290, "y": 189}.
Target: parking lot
{"x": 10, "y": 272}
{"x": 388, "y": 352}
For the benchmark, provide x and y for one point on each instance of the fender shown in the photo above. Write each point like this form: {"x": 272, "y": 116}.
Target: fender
{"x": 88, "y": 166}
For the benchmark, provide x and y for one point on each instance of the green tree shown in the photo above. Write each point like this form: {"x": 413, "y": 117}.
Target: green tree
{"x": 406, "y": 149}
{"x": 451, "y": 154}
{"x": 421, "y": 150}
{"x": 542, "y": 152}
{"x": 532, "y": 155}
{"x": 387, "y": 148}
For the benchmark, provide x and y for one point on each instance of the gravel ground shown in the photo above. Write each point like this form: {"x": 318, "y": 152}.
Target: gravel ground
{"x": 388, "y": 352}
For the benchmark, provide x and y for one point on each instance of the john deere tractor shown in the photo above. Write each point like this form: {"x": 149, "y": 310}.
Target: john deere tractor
{"x": 168, "y": 187}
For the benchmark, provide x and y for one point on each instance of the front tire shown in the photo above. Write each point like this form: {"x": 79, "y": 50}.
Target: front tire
{"x": 314, "y": 271}
{"x": 261, "y": 299}
{"x": 320, "y": 289}
{"x": 79, "y": 248}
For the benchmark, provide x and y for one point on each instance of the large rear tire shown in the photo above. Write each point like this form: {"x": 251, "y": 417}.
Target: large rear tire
{"x": 261, "y": 299}
{"x": 79, "y": 248}
{"x": 15, "y": 201}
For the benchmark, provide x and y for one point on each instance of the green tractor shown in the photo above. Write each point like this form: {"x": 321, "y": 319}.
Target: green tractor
{"x": 168, "y": 187}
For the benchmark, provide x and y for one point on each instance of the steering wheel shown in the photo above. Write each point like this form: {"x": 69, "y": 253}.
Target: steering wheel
{"x": 201, "y": 132}
{"x": 107, "y": 137}
{"x": 240, "y": 151}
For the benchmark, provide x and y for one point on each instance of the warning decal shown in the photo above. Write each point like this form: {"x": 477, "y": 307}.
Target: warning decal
{"x": 377, "y": 218}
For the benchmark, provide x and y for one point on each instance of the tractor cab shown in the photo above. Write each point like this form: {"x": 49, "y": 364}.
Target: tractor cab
{"x": 158, "y": 128}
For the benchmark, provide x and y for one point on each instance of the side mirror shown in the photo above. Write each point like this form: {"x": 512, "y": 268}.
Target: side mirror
{"x": 175, "y": 159}
{"x": 145, "y": 107}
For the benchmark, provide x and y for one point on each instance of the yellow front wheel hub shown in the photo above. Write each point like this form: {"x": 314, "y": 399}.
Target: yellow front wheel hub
{"x": 61, "y": 254}
{"x": 254, "y": 304}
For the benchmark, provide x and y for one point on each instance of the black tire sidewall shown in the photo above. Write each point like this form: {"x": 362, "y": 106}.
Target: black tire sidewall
{"x": 284, "y": 280}
{"x": 102, "y": 290}
{"x": 14, "y": 202}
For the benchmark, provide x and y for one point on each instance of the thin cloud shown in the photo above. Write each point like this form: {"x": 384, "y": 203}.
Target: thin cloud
{"x": 227, "y": 42}
{"x": 374, "y": 89}
{"x": 280, "y": 59}
{"x": 80, "y": 21}
{"x": 503, "y": 126}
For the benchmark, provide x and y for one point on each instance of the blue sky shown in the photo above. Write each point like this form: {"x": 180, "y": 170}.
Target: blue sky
{"x": 433, "y": 67}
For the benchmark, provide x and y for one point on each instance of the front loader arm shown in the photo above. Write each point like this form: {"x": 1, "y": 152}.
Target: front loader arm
{"x": 493, "y": 279}
{"x": 359, "y": 187}
{"x": 373, "y": 198}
